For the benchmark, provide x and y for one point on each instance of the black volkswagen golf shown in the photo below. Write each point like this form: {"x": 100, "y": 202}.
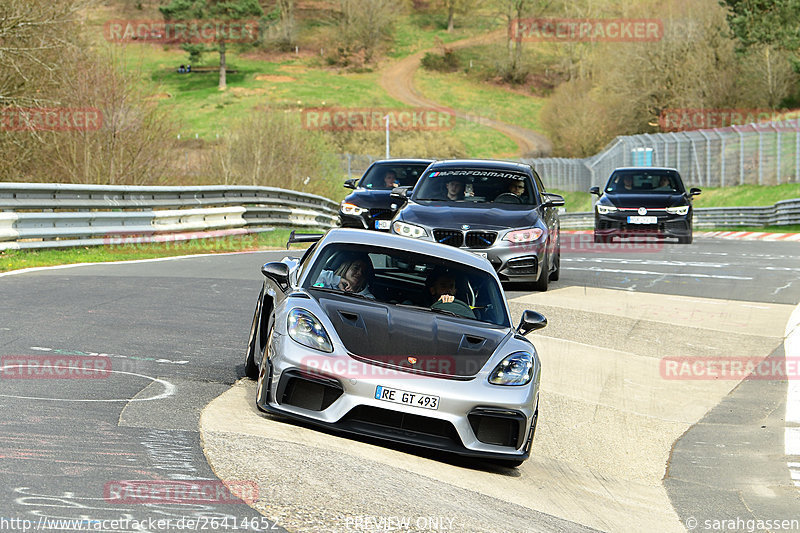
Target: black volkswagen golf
{"x": 644, "y": 201}
{"x": 369, "y": 206}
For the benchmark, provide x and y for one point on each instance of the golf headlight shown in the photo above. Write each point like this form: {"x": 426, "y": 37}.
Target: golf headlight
{"x": 408, "y": 230}
{"x": 605, "y": 209}
{"x": 523, "y": 235}
{"x": 515, "y": 369}
{"x": 304, "y": 328}
{"x": 351, "y": 209}
{"x": 682, "y": 210}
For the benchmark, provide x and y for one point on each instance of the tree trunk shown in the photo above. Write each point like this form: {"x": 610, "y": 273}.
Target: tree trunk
{"x": 223, "y": 83}
{"x": 451, "y": 9}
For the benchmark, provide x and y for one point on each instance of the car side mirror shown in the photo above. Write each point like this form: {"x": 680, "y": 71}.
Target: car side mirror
{"x": 594, "y": 190}
{"x": 694, "y": 191}
{"x": 399, "y": 195}
{"x": 351, "y": 183}
{"x": 277, "y": 272}
{"x": 531, "y": 321}
{"x": 553, "y": 200}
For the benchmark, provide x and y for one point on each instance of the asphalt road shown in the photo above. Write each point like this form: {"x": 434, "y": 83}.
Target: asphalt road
{"x": 174, "y": 333}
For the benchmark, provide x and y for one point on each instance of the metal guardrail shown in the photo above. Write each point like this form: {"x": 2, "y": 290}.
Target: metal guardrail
{"x": 783, "y": 213}
{"x": 43, "y": 215}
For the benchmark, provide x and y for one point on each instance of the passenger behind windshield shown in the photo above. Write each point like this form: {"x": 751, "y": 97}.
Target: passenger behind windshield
{"x": 353, "y": 274}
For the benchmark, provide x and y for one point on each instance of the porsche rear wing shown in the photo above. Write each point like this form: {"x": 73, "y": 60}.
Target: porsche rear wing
{"x": 303, "y": 237}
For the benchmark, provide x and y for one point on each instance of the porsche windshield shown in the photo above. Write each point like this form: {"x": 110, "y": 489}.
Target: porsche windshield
{"x": 398, "y": 277}
{"x": 645, "y": 182}
{"x": 477, "y": 186}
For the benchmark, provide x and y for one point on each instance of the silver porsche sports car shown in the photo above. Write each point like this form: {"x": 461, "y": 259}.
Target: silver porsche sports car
{"x": 398, "y": 339}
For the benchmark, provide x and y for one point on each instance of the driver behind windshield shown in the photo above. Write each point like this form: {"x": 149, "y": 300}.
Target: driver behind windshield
{"x": 455, "y": 189}
{"x": 441, "y": 284}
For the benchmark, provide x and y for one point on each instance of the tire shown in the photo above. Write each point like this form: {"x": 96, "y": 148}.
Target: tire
{"x": 555, "y": 274}
{"x": 685, "y": 240}
{"x": 250, "y": 367}
{"x": 544, "y": 277}
{"x": 264, "y": 372}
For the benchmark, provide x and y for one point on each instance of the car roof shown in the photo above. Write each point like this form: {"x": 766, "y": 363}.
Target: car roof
{"x": 402, "y": 161}
{"x": 483, "y": 163}
{"x": 646, "y": 168}
{"x": 389, "y": 240}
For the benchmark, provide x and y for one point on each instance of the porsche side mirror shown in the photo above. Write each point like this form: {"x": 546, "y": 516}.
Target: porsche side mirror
{"x": 594, "y": 190}
{"x": 553, "y": 200}
{"x": 531, "y": 321}
{"x": 351, "y": 183}
{"x": 399, "y": 195}
{"x": 277, "y": 272}
{"x": 694, "y": 191}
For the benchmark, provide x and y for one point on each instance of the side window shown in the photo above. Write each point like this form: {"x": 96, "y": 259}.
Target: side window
{"x": 539, "y": 185}
{"x": 304, "y": 261}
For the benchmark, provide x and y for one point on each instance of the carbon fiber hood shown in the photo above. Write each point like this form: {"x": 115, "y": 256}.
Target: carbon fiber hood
{"x": 412, "y": 339}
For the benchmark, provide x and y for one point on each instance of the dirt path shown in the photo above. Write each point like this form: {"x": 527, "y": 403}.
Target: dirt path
{"x": 398, "y": 80}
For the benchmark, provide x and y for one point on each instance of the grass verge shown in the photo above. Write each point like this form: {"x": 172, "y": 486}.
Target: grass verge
{"x": 18, "y": 259}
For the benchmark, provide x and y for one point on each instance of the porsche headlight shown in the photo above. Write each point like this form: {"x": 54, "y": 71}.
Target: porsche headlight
{"x": 408, "y": 230}
{"x": 605, "y": 209}
{"x": 523, "y": 235}
{"x": 515, "y": 369}
{"x": 351, "y": 209}
{"x": 681, "y": 210}
{"x": 306, "y": 329}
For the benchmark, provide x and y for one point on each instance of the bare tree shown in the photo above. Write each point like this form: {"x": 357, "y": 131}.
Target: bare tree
{"x": 365, "y": 26}
{"x": 513, "y": 12}
{"x": 287, "y": 22}
{"x": 133, "y": 142}
{"x": 270, "y": 148}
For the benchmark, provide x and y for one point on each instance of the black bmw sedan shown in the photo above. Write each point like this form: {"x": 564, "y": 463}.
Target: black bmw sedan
{"x": 644, "y": 201}
{"x": 498, "y": 210}
{"x": 368, "y": 206}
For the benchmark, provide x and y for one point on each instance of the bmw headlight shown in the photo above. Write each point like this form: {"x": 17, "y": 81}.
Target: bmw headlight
{"x": 408, "y": 230}
{"x": 515, "y": 369}
{"x": 351, "y": 209}
{"x": 681, "y": 210}
{"x": 523, "y": 235}
{"x": 605, "y": 209}
{"x": 306, "y": 329}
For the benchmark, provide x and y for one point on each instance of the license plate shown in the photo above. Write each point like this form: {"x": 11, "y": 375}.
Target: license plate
{"x": 642, "y": 220}
{"x": 485, "y": 255}
{"x": 406, "y": 398}
{"x": 383, "y": 224}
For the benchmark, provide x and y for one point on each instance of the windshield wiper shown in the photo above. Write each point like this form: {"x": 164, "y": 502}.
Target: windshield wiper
{"x": 432, "y": 310}
{"x": 340, "y": 291}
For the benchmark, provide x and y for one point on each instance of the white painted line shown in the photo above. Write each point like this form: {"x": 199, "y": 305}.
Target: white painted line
{"x": 791, "y": 348}
{"x": 795, "y": 474}
{"x": 649, "y": 273}
{"x": 792, "y": 441}
{"x": 169, "y": 390}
